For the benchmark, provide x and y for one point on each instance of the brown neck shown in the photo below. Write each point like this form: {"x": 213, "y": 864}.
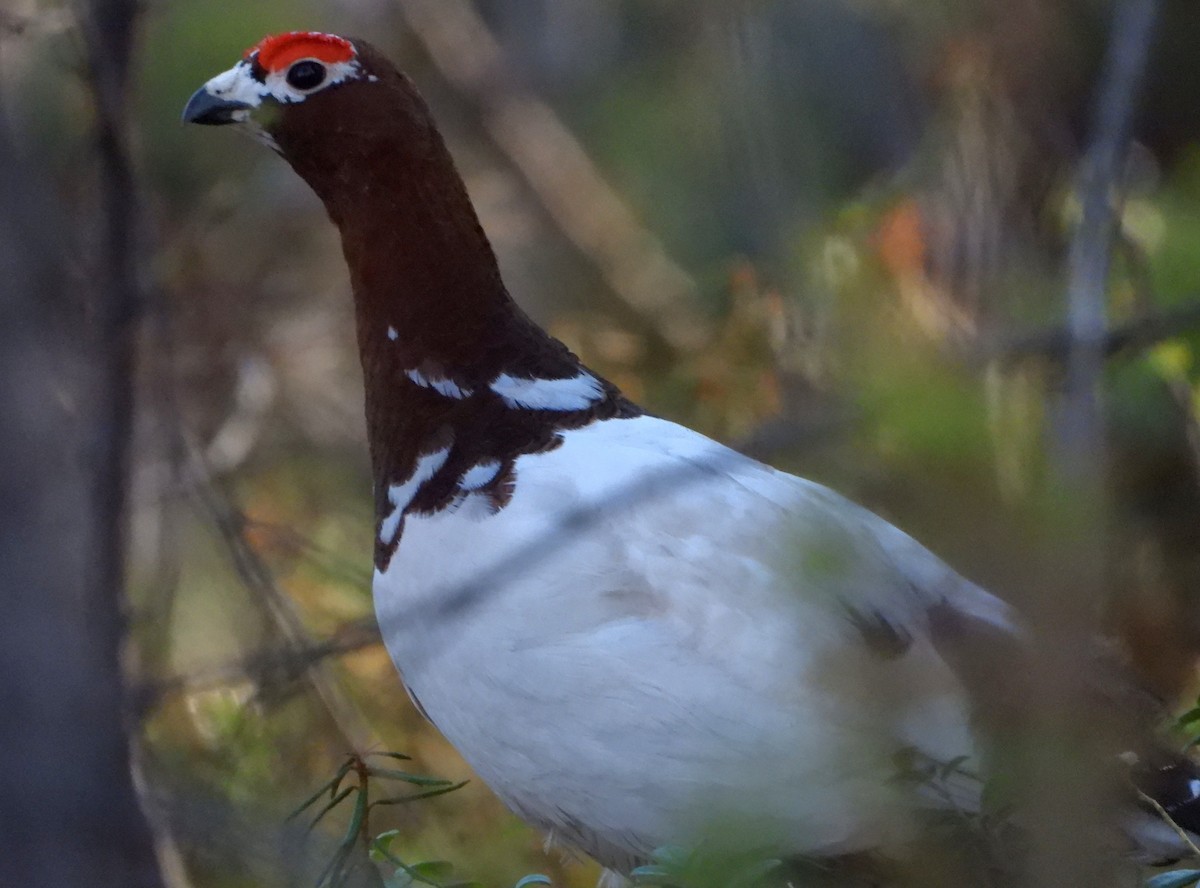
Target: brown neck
{"x": 428, "y": 295}
{"x": 419, "y": 260}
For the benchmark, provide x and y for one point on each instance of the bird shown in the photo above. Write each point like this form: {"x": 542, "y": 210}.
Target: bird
{"x": 637, "y": 637}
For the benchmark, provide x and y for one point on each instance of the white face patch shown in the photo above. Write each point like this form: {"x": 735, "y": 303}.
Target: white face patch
{"x": 392, "y": 334}
{"x": 401, "y": 495}
{"x": 575, "y": 393}
{"x": 447, "y": 387}
{"x": 238, "y": 84}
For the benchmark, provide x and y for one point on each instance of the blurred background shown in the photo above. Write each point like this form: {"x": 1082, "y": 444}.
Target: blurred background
{"x": 942, "y": 256}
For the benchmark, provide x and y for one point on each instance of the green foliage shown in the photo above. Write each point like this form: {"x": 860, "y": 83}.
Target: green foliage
{"x": 435, "y": 873}
{"x": 681, "y": 868}
{"x": 1187, "y": 725}
{"x": 383, "y": 848}
{"x": 357, "y": 796}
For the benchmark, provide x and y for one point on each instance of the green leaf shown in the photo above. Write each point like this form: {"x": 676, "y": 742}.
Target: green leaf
{"x": 309, "y": 801}
{"x": 435, "y": 871}
{"x": 329, "y": 786}
{"x": 417, "y": 796}
{"x": 1174, "y": 879}
{"x": 345, "y": 769}
{"x": 398, "y": 879}
{"x": 333, "y": 870}
{"x": 356, "y": 819}
{"x": 533, "y": 879}
{"x": 1191, "y": 717}
{"x": 414, "y": 779}
{"x": 331, "y": 804}
{"x": 381, "y": 846}
{"x": 398, "y": 756}
{"x": 1172, "y": 359}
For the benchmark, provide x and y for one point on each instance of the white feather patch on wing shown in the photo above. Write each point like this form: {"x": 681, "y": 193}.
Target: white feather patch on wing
{"x": 574, "y": 393}
{"x": 442, "y": 386}
{"x": 400, "y": 495}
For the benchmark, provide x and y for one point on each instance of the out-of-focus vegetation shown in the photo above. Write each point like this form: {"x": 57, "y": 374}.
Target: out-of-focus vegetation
{"x": 868, "y": 208}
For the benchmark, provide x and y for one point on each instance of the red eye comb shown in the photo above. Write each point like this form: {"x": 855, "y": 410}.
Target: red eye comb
{"x": 279, "y": 51}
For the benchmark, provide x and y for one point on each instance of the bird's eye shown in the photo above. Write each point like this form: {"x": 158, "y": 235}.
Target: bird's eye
{"x": 306, "y": 74}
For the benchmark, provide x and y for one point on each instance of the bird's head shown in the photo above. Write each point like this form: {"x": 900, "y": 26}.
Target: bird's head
{"x": 278, "y": 72}
{"x": 335, "y": 108}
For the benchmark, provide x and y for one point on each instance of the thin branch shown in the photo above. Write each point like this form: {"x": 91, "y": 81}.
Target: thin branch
{"x": 1091, "y": 247}
{"x": 268, "y": 669}
{"x": 258, "y": 579}
{"x": 1055, "y": 343}
{"x": 1170, "y": 821}
{"x": 1080, "y": 424}
{"x": 1069, "y": 616}
{"x": 229, "y": 446}
{"x": 330, "y": 564}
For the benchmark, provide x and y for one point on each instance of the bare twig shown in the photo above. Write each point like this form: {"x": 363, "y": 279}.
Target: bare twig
{"x": 230, "y": 445}
{"x": 259, "y": 580}
{"x": 267, "y": 668}
{"x": 1068, "y": 784}
{"x": 1170, "y": 821}
{"x": 1080, "y": 432}
{"x": 1054, "y": 343}
{"x": 330, "y": 564}
{"x": 633, "y": 262}
{"x": 154, "y": 502}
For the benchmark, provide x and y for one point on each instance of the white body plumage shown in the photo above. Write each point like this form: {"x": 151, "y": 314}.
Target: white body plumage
{"x": 658, "y": 641}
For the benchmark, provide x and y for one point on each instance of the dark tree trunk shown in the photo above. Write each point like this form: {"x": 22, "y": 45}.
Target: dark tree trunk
{"x": 69, "y": 812}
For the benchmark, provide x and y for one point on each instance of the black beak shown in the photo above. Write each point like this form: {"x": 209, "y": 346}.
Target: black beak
{"x": 203, "y": 107}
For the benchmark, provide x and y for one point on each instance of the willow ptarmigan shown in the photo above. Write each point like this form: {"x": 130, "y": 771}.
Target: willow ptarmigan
{"x": 636, "y": 636}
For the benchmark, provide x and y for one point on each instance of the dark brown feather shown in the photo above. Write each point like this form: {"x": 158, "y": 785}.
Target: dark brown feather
{"x": 421, "y": 265}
